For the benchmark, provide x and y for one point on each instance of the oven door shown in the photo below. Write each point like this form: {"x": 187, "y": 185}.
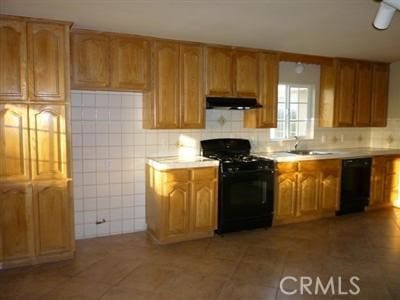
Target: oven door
{"x": 245, "y": 195}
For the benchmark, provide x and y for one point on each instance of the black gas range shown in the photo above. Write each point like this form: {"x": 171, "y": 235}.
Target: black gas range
{"x": 246, "y": 185}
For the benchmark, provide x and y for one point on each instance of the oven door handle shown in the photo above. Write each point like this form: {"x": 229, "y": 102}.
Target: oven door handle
{"x": 255, "y": 172}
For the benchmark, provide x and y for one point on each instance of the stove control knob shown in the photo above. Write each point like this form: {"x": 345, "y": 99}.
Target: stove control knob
{"x": 236, "y": 169}
{"x": 229, "y": 169}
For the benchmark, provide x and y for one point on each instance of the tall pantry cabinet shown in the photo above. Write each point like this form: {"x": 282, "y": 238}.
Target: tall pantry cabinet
{"x": 35, "y": 176}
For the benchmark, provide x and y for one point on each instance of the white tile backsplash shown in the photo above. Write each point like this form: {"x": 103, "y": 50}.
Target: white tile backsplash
{"x": 110, "y": 146}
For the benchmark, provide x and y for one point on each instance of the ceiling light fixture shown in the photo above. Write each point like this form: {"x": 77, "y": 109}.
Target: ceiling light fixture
{"x": 385, "y": 13}
{"x": 299, "y": 68}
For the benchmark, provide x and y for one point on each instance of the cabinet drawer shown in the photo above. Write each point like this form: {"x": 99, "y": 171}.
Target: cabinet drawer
{"x": 287, "y": 167}
{"x": 176, "y": 175}
{"x": 204, "y": 173}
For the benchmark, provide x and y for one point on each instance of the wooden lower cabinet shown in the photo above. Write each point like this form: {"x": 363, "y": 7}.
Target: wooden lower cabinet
{"x": 181, "y": 204}
{"x": 385, "y": 182}
{"x": 53, "y": 214}
{"x": 307, "y": 190}
{"x": 16, "y": 223}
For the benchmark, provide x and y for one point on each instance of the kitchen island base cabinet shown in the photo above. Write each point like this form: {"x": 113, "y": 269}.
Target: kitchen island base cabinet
{"x": 307, "y": 190}
{"x": 181, "y": 204}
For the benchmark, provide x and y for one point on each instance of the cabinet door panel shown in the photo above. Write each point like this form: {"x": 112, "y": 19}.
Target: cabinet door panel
{"x": 362, "y": 113}
{"x": 46, "y": 57}
{"x": 203, "y": 206}
{"x": 219, "y": 72}
{"x": 265, "y": 117}
{"x": 176, "y": 197}
{"x": 345, "y": 93}
{"x": 329, "y": 185}
{"x": 287, "y": 195}
{"x": 130, "y": 63}
{"x": 246, "y": 74}
{"x": 53, "y": 217}
{"x": 48, "y": 142}
{"x": 377, "y": 194}
{"x": 13, "y": 77}
{"x": 16, "y": 221}
{"x": 90, "y": 60}
{"x": 308, "y": 192}
{"x": 166, "y": 85}
{"x": 14, "y": 152}
{"x": 380, "y": 87}
{"x": 192, "y": 93}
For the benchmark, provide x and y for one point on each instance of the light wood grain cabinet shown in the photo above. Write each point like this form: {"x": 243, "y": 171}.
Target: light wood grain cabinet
{"x": 34, "y": 141}
{"x": 181, "y": 204}
{"x": 377, "y": 190}
{"x": 53, "y": 217}
{"x": 34, "y": 60}
{"x": 220, "y": 71}
{"x": 13, "y": 60}
{"x": 353, "y": 94}
{"x": 46, "y": 58}
{"x": 109, "y": 61}
{"x": 16, "y": 223}
{"x": 265, "y": 117}
{"x": 363, "y": 92}
{"x": 90, "y": 60}
{"x": 307, "y": 190}
{"x": 380, "y": 90}
{"x": 232, "y": 72}
{"x": 48, "y": 142}
{"x": 130, "y": 63}
{"x": 176, "y": 99}
{"x": 14, "y": 143}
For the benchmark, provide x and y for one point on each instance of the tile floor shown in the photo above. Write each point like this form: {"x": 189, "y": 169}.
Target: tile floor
{"x": 245, "y": 265}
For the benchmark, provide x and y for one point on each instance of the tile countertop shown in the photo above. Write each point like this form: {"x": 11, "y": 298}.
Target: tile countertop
{"x": 176, "y": 162}
{"x": 333, "y": 154}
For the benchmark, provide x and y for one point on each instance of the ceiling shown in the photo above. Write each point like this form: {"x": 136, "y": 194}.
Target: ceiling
{"x": 339, "y": 28}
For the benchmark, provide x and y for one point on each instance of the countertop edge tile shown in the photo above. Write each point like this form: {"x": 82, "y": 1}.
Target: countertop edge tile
{"x": 175, "y": 162}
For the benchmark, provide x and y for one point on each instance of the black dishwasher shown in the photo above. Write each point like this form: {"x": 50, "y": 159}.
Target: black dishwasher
{"x": 356, "y": 176}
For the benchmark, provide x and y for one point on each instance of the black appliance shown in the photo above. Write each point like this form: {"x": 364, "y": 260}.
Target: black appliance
{"x": 355, "y": 183}
{"x": 246, "y": 185}
{"x": 231, "y": 103}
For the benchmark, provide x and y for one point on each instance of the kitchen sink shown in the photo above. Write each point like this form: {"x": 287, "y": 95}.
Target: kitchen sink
{"x": 308, "y": 152}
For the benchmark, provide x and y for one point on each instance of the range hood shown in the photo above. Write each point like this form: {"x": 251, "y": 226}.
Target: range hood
{"x": 231, "y": 103}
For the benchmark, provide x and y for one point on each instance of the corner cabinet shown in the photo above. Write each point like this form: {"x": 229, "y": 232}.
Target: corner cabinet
{"x": 36, "y": 210}
{"x": 353, "y": 94}
{"x": 181, "y": 204}
{"x": 307, "y": 190}
{"x": 176, "y": 98}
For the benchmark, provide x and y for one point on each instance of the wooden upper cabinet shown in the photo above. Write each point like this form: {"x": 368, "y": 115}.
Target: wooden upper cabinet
{"x": 130, "y": 63}
{"x": 345, "y": 93}
{"x": 219, "y": 72}
{"x": 48, "y": 142}
{"x": 363, "y": 88}
{"x": 14, "y": 143}
{"x": 246, "y": 74}
{"x": 265, "y": 117}
{"x": 16, "y": 222}
{"x": 191, "y": 86}
{"x": 166, "y": 85}
{"x": 380, "y": 88}
{"x": 13, "y": 60}
{"x": 90, "y": 60}
{"x": 46, "y": 59}
{"x": 53, "y": 217}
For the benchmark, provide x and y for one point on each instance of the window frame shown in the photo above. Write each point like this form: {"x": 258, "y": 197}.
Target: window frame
{"x": 310, "y": 121}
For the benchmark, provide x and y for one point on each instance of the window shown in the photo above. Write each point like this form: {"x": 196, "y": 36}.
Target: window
{"x": 295, "y": 112}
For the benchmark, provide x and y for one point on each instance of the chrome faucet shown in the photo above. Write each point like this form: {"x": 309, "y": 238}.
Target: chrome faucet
{"x": 296, "y": 144}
